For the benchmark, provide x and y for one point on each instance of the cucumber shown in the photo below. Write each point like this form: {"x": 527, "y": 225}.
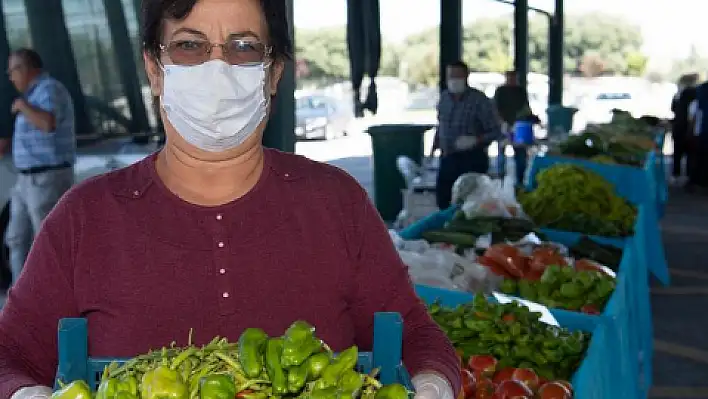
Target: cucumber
{"x": 450, "y": 237}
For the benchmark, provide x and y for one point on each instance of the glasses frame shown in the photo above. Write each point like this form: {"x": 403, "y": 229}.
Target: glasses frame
{"x": 267, "y": 50}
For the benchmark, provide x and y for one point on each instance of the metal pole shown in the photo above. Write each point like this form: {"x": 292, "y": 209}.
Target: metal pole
{"x": 521, "y": 40}
{"x": 556, "y": 32}
{"x": 450, "y": 35}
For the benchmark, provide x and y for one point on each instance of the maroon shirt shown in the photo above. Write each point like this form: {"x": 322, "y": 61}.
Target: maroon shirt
{"x": 144, "y": 266}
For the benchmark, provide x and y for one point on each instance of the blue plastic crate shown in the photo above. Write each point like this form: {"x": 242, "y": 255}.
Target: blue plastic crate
{"x": 594, "y": 379}
{"x": 75, "y": 363}
{"x": 626, "y": 329}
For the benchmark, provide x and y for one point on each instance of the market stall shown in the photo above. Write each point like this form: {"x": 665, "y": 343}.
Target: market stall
{"x": 577, "y": 244}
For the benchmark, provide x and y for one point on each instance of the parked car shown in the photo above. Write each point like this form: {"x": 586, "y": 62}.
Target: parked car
{"x": 320, "y": 117}
{"x": 7, "y": 180}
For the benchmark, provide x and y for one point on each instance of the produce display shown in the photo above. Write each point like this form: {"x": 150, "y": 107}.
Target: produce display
{"x": 464, "y": 233}
{"x": 510, "y": 336}
{"x": 296, "y": 365}
{"x": 564, "y": 287}
{"x": 624, "y": 141}
{"x": 572, "y": 198}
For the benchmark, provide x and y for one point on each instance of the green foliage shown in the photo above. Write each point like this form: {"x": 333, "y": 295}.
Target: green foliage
{"x": 595, "y": 43}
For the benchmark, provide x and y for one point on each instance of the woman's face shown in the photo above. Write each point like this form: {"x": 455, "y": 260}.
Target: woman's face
{"x": 215, "y": 22}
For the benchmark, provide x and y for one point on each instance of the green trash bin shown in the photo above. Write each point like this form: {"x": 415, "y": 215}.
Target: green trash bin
{"x": 388, "y": 143}
{"x": 560, "y": 120}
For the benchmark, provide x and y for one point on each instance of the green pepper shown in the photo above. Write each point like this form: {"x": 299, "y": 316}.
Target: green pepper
{"x": 299, "y": 342}
{"x": 297, "y": 377}
{"x": 110, "y": 387}
{"x": 508, "y": 286}
{"x": 163, "y": 383}
{"x": 274, "y": 351}
{"x": 217, "y": 386}
{"x": 325, "y": 393}
{"x": 350, "y": 383}
{"x": 126, "y": 395}
{"x": 251, "y": 344}
{"x": 345, "y": 361}
{"x": 75, "y": 390}
{"x": 393, "y": 391}
{"x": 316, "y": 364}
{"x": 570, "y": 290}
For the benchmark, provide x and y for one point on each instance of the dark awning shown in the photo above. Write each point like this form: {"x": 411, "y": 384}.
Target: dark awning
{"x": 364, "y": 43}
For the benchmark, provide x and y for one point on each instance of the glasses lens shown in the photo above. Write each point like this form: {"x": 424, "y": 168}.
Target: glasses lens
{"x": 188, "y": 52}
{"x": 242, "y": 52}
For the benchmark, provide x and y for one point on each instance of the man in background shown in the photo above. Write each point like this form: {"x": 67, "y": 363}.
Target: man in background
{"x": 512, "y": 102}
{"x": 681, "y": 131}
{"x": 698, "y": 113}
{"x": 43, "y": 150}
{"x": 467, "y": 125}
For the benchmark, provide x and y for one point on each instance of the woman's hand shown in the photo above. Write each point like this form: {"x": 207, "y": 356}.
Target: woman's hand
{"x": 432, "y": 386}
{"x": 36, "y": 392}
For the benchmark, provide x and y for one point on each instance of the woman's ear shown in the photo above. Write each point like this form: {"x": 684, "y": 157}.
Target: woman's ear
{"x": 276, "y": 71}
{"x": 154, "y": 73}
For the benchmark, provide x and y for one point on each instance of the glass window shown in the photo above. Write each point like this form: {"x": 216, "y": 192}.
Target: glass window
{"x": 93, "y": 49}
{"x": 16, "y": 23}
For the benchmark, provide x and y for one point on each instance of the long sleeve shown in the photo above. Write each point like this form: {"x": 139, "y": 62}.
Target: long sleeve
{"x": 42, "y": 295}
{"x": 488, "y": 121}
{"x": 425, "y": 346}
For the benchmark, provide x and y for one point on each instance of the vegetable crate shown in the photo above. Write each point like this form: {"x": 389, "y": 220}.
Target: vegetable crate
{"x": 591, "y": 381}
{"x": 76, "y": 364}
{"x": 623, "y": 332}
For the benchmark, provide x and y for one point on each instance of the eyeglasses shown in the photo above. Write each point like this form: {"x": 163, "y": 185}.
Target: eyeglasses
{"x": 236, "y": 51}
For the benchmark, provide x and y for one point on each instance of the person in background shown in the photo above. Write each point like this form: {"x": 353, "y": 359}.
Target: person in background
{"x": 512, "y": 102}
{"x": 213, "y": 231}
{"x": 467, "y": 125}
{"x": 681, "y": 132}
{"x": 43, "y": 150}
{"x": 698, "y": 114}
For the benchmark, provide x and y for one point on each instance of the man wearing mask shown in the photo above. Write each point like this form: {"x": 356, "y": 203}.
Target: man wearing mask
{"x": 43, "y": 150}
{"x": 680, "y": 126}
{"x": 512, "y": 102}
{"x": 467, "y": 125}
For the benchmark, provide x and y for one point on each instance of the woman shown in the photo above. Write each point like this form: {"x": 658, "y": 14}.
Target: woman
{"x": 214, "y": 232}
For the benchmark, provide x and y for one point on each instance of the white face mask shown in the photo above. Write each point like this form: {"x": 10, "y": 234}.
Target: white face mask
{"x": 456, "y": 86}
{"x": 215, "y": 106}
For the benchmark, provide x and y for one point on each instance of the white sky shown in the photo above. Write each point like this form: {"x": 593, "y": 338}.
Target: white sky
{"x": 663, "y": 22}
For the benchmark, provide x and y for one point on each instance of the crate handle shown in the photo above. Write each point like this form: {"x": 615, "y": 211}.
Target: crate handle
{"x": 387, "y": 350}
{"x": 73, "y": 350}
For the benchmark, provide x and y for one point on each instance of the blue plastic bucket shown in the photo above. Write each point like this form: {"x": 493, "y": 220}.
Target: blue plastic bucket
{"x": 523, "y": 133}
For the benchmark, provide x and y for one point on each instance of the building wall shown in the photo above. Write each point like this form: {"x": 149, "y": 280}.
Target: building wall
{"x": 96, "y": 58}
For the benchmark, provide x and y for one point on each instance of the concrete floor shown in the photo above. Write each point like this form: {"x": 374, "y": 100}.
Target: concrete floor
{"x": 681, "y": 359}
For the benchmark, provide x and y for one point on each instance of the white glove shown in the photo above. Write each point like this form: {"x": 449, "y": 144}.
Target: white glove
{"x": 465, "y": 142}
{"x": 431, "y": 386}
{"x": 35, "y": 392}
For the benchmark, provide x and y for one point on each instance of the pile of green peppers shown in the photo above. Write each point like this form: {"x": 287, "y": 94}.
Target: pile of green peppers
{"x": 296, "y": 365}
{"x": 565, "y": 288}
{"x": 571, "y": 198}
{"x": 512, "y": 334}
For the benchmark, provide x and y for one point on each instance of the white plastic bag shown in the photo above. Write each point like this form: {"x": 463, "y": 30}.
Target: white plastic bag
{"x": 467, "y": 185}
{"x": 492, "y": 198}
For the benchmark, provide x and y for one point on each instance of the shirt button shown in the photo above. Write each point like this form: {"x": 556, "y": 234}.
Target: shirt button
{"x": 219, "y": 217}
{"x": 222, "y": 271}
{"x": 225, "y": 295}
{"x": 220, "y": 244}
{"x": 136, "y": 193}
{"x": 287, "y": 175}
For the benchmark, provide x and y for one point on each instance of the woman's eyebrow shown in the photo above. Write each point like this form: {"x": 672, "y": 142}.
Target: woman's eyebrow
{"x": 190, "y": 31}
{"x": 243, "y": 34}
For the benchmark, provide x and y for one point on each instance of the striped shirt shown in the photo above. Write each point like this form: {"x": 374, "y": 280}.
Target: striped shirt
{"x": 33, "y": 147}
{"x": 472, "y": 114}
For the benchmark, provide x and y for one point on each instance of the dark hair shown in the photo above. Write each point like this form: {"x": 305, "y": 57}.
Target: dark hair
{"x": 154, "y": 12}
{"x": 30, "y": 57}
{"x": 459, "y": 64}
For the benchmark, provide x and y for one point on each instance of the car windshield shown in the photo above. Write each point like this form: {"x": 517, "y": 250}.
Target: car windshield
{"x": 311, "y": 103}
{"x": 614, "y": 96}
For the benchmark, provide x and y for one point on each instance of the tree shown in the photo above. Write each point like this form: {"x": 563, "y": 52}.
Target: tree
{"x": 324, "y": 52}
